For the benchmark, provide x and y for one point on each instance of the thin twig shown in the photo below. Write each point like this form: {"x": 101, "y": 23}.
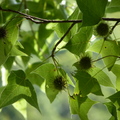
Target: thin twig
{"x": 105, "y": 57}
{"x": 110, "y": 32}
{"x": 53, "y": 51}
{"x": 114, "y": 27}
{"x": 50, "y": 21}
{"x": 41, "y": 20}
{"x": 29, "y": 16}
{"x": 111, "y": 19}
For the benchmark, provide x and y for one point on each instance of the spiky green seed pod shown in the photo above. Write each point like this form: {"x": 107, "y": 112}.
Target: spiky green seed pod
{"x": 102, "y": 29}
{"x": 85, "y": 62}
{"x": 59, "y": 83}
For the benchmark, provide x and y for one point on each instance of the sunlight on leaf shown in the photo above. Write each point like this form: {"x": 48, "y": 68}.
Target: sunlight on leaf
{"x": 101, "y": 77}
{"x": 80, "y": 105}
{"x": 107, "y": 48}
{"x": 18, "y": 87}
{"x": 93, "y": 10}
{"x": 16, "y": 52}
{"x": 116, "y": 71}
{"x": 61, "y": 28}
{"x": 79, "y": 41}
{"x": 115, "y": 99}
{"x": 112, "y": 110}
{"x": 13, "y": 31}
{"x": 48, "y": 72}
{"x": 87, "y": 84}
{"x": 10, "y": 39}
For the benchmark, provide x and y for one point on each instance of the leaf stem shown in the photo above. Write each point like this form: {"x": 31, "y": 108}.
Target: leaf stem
{"x": 105, "y": 57}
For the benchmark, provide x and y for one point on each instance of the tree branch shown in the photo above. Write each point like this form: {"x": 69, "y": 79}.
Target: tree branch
{"x": 114, "y": 27}
{"x": 111, "y": 19}
{"x": 41, "y": 20}
{"x": 53, "y": 51}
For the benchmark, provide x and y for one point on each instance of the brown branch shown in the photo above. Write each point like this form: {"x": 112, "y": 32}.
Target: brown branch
{"x": 114, "y": 27}
{"x": 38, "y": 20}
{"x": 41, "y": 20}
{"x": 110, "y": 32}
{"x": 53, "y": 51}
{"x": 111, "y": 19}
{"x": 51, "y": 21}
{"x": 20, "y": 13}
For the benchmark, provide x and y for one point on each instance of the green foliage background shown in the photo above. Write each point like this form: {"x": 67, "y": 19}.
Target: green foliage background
{"x": 42, "y": 42}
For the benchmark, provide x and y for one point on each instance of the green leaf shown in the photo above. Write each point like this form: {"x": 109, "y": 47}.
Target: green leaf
{"x": 101, "y": 77}
{"x": 28, "y": 43}
{"x": 114, "y": 6}
{"x": 12, "y": 30}
{"x": 3, "y": 54}
{"x": 74, "y": 104}
{"x": 107, "y": 48}
{"x": 85, "y": 105}
{"x": 80, "y": 105}
{"x": 87, "y": 84}
{"x": 115, "y": 99}
{"x": 43, "y": 37}
{"x": 93, "y": 10}
{"x": 48, "y": 72}
{"x": 45, "y": 70}
{"x": 10, "y": 39}
{"x": 9, "y": 62}
{"x": 10, "y": 4}
{"x": 18, "y": 87}
{"x": 33, "y": 77}
{"x": 112, "y": 110}
{"x": 61, "y": 28}
{"x": 115, "y": 3}
{"x": 116, "y": 71}
{"x": 32, "y": 5}
{"x": 16, "y": 52}
{"x": 79, "y": 41}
